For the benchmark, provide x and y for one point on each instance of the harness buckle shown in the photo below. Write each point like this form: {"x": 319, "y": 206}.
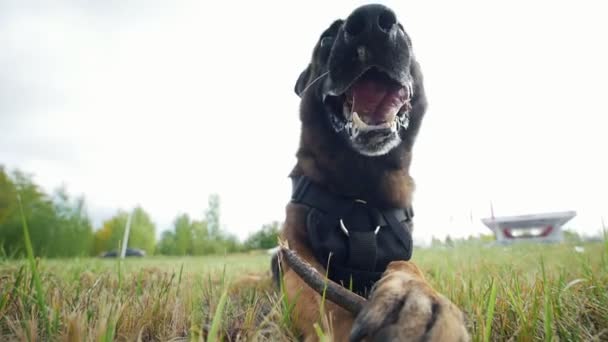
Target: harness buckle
{"x": 343, "y": 228}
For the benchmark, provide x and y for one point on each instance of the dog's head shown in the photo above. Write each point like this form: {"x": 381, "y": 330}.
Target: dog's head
{"x": 364, "y": 77}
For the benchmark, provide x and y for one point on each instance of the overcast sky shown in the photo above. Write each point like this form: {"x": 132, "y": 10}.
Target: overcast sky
{"x": 161, "y": 103}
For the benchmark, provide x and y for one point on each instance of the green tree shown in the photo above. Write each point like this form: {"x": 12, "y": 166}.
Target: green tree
{"x": 194, "y": 237}
{"x": 144, "y": 234}
{"x": 448, "y": 241}
{"x": 102, "y": 237}
{"x": 58, "y": 225}
{"x": 74, "y": 234}
{"x": 10, "y": 238}
{"x": 200, "y": 237}
{"x": 8, "y": 194}
{"x": 187, "y": 237}
{"x": 264, "y": 238}
{"x": 229, "y": 244}
{"x": 435, "y": 242}
{"x": 39, "y": 215}
{"x": 212, "y": 216}
{"x": 166, "y": 245}
{"x": 183, "y": 235}
{"x": 141, "y": 236}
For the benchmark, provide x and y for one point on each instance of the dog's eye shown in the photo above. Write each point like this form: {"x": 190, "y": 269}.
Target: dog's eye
{"x": 326, "y": 41}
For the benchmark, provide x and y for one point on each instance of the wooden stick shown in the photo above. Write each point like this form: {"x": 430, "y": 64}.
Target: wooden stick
{"x": 350, "y": 301}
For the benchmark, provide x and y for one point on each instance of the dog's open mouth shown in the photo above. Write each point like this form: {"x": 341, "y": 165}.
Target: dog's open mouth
{"x": 374, "y": 103}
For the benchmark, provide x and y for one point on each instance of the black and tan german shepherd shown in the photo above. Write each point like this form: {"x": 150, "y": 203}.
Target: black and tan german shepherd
{"x": 362, "y": 105}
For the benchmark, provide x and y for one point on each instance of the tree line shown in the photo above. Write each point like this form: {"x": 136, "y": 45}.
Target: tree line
{"x": 59, "y": 226}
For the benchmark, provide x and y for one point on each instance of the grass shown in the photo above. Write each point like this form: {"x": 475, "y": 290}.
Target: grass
{"x": 490, "y": 312}
{"x": 35, "y": 276}
{"x": 520, "y": 293}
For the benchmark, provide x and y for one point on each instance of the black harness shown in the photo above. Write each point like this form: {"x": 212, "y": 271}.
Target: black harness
{"x": 353, "y": 240}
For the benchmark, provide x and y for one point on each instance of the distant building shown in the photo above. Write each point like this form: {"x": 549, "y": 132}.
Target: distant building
{"x": 543, "y": 227}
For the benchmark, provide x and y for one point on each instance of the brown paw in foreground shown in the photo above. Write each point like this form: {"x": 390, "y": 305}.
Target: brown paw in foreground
{"x": 403, "y": 307}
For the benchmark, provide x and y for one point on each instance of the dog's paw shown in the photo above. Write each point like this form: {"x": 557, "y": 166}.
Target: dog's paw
{"x": 404, "y": 307}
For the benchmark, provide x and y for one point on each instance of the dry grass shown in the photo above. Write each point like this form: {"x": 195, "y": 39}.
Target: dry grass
{"x": 540, "y": 293}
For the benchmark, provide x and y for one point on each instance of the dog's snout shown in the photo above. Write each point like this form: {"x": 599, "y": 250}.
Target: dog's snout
{"x": 370, "y": 20}
{"x": 371, "y": 36}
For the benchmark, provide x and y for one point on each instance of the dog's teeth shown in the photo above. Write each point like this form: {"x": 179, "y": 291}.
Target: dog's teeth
{"x": 357, "y": 122}
{"x": 410, "y": 90}
{"x": 349, "y": 127}
{"x": 394, "y": 125}
{"x": 404, "y": 121}
{"x": 361, "y": 125}
{"x": 346, "y": 111}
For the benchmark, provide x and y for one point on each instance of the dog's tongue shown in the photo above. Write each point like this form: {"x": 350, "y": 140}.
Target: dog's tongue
{"x": 376, "y": 102}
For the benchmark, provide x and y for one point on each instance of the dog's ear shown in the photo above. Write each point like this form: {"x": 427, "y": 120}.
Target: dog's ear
{"x": 302, "y": 81}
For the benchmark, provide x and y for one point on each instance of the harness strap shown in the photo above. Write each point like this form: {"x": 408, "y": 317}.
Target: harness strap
{"x": 406, "y": 239}
{"x": 362, "y": 251}
{"x": 306, "y": 192}
{"x": 360, "y": 258}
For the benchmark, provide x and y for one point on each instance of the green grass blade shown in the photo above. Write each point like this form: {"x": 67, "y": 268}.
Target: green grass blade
{"x": 16, "y": 284}
{"x": 322, "y": 309}
{"x": 605, "y": 233}
{"x": 490, "y": 313}
{"x": 118, "y": 270}
{"x": 320, "y": 334}
{"x": 217, "y": 318}
{"x": 140, "y": 289}
{"x": 37, "y": 283}
{"x": 3, "y": 255}
{"x": 516, "y": 303}
{"x": 108, "y": 335}
{"x": 548, "y": 308}
{"x": 179, "y": 279}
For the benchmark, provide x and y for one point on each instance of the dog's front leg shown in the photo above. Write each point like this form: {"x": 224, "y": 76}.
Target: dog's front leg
{"x": 306, "y": 311}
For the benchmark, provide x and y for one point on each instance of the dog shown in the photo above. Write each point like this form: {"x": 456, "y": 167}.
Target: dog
{"x": 350, "y": 215}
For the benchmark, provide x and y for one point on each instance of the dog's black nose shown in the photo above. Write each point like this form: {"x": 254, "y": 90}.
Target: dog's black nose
{"x": 370, "y": 19}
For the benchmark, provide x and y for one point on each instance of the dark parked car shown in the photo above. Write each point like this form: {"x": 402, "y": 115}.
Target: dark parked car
{"x": 130, "y": 252}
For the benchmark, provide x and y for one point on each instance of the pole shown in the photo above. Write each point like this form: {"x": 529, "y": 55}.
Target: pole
{"x": 125, "y": 239}
{"x": 494, "y": 224}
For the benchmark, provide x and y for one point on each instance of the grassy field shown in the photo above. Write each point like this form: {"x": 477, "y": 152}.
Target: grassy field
{"x": 523, "y": 293}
